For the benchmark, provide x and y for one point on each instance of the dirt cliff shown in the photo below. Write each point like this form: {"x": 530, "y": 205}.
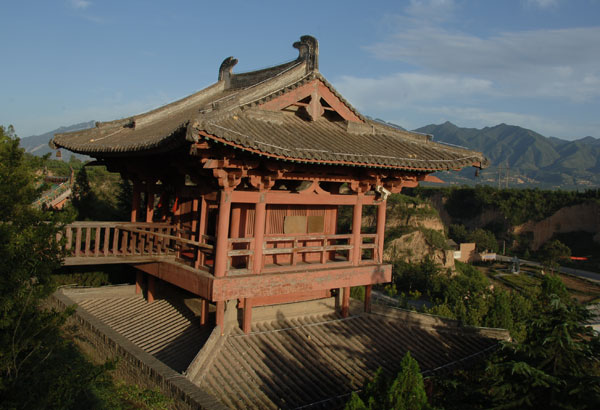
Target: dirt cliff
{"x": 414, "y": 247}
{"x": 583, "y": 217}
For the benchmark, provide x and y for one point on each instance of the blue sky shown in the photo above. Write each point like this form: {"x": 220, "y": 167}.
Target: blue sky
{"x": 476, "y": 63}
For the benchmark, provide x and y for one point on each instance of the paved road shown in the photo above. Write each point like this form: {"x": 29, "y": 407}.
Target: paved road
{"x": 593, "y": 276}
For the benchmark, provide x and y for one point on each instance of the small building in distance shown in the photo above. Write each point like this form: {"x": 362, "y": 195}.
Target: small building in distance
{"x": 239, "y": 197}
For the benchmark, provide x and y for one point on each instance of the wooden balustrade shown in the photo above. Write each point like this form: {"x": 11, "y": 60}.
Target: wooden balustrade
{"x": 105, "y": 239}
{"x": 139, "y": 239}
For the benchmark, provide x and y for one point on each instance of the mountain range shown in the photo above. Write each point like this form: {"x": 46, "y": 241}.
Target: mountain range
{"x": 519, "y": 157}
{"x": 38, "y": 144}
{"x": 522, "y": 157}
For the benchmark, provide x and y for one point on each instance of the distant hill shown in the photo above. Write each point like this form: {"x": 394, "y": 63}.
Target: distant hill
{"x": 523, "y": 157}
{"x": 38, "y": 144}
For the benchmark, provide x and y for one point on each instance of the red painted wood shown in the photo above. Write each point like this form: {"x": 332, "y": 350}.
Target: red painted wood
{"x": 381, "y": 208}
{"x": 151, "y": 289}
{"x": 222, "y": 243}
{"x": 368, "y": 289}
{"x": 318, "y": 90}
{"x": 345, "y": 301}
{"x": 149, "y": 205}
{"x": 203, "y": 311}
{"x": 243, "y": 286}
{"x": 290, "y": 198}
{"x": 290, "y": 297}
{"x": 259, "y": 236}
{"x": 356, "y": 239}
{"x": 247, "y": 319}
{"x": 135, "y": 201}
{"x": 139, "y": 279}
{"x": 201, "y": 231}
{"x": 220, "y": 315}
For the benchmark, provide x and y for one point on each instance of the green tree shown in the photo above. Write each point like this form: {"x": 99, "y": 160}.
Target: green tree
{"x": 552, "y": 252}
{"x": 405, "y": 392}
{"x": 556, "y": 366}
{"x": 16, "y": 179}
{"x": 84, "y": 199}
{"x": 38, "y": 368}
{"x": 484, "y": 239}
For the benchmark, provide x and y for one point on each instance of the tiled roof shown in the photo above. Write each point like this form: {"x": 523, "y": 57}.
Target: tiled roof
{"x": 166, "y": 328}
{"x": 314, "y": 360}
{"x": 328, "y": 142}
{"x": 229, "y": 112}
{"x": 317, "y": 361}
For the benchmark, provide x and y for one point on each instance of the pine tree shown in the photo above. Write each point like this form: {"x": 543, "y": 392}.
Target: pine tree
{"x": 405, "y": 392}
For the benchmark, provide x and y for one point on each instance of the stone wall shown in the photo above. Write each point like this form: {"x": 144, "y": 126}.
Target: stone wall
{"x": 134, "y": 366}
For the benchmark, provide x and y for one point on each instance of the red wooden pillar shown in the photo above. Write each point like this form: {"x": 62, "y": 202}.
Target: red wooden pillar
{"x": 149, "y": 203}
{"x": 222, "y": 243}
{"x": 356, "y": 224}
{"x": 201, "y": 231}
{"x": 247, "y": 322}
{"x": 139, "y": 279}
{"x": 151, "y": 288}
{"x": 135, "y": 201}
{"x": 345, "y": 302}
{"x": 380, "y": 229}
{"x": 221, "y": 315}
{"x": 368, "y": 289}
{"x": 203, "y": 311}
{"x": 234, "y": 225}
{"x": 259, "y": 234}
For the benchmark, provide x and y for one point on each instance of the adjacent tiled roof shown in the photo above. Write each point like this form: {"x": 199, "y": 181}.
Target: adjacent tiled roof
{"x": 317, "y": 361}
{"x": 314, "y": 360}
{"x": 165, "y": 328}
{"x": 229, "y": 112}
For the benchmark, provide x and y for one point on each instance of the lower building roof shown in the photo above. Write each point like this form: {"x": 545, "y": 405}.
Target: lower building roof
{"x": 313, "y": 360}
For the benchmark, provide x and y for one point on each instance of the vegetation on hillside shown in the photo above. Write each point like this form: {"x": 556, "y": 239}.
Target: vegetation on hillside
{"x": 40, "y": 365}
{"x": 555, "y": 365}
{"x": 516, "y": 206}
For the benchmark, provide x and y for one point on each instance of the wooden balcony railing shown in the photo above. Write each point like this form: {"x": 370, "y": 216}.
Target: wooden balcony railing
{"x": 112, "y": 239}
{"x": 135, "y": 240}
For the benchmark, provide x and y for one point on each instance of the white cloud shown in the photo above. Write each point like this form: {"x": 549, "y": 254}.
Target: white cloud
{"x": 551, "y": 63}
{"x": 401, "y": 89}
{"x": 80, "y": 4}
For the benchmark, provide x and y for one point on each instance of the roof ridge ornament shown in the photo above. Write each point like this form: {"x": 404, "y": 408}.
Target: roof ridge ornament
{"x": 226, "y": 69}
{"x": 308, "y": 48}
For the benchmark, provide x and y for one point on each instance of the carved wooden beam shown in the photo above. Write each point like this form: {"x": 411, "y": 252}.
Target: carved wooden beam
{"x": 228, "y": 179}
{"x": 263, "y": 182}
{"x": 360, "y": 186}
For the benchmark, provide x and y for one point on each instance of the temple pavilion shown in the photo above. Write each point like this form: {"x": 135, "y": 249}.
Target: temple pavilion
{"x": 264, "y": 189}
{"x": 247, "y": 178}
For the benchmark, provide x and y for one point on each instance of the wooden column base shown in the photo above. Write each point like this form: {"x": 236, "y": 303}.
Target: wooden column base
{"x": 247, "y": 324}
{"x": 139, "y": 280}
{"x": 368, "y": 289}
{"x": 203, "y": 312}
{"x": 346, "y": 302}
{"x": 151, "y": 288}
{"x": 221, "y": 316}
